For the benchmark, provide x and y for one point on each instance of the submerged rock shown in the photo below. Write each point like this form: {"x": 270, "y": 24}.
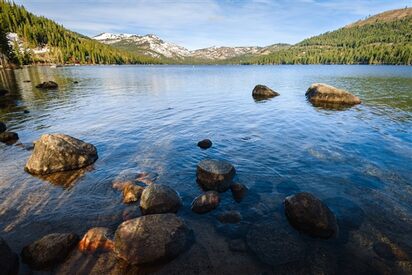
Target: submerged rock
{"x": 238, "y": 191}
{"x": 59, "y": 152}
{"x": 274, "y": 245}
{"x": 49, "y": 250}
{"x": 9, "y": 137}
{"x": 96, "y": 239}
{"x": 3, "y": 92}
{"x": 320, "y": 94}
{"x": 205, "y": 144}
{"x": 262, "y": 91}
{"x": 231, "y": 216}
{"x": 215, "y": 174}
{"x": 9, "y": 261}
{"x": 310, "y": 215}
{"x": 151, "y": 238}
{"x": 206, "y": 202}
{"x": 159, "y": 198}
{"x": 3, "y": 127}
{"x": 132, "y": 192}
{"x": 47, "y": 85}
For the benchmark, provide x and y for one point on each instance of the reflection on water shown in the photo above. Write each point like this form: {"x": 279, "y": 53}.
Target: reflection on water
{"x": 150, "y": 118}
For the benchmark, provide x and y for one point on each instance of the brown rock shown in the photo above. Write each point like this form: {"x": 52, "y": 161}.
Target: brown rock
{"x": 132, "y": 193}
{"x": 215, "y": 174}
{"x": 9, "y": 137}
{"x": 49, "y": 250}
{"x": 319, "y": 94}
{"x": 262, "y": 91}
{"x": 151, "y": 238}
{"x": 205, "y": 144}
{"x": 59, "y": 152}
{"x": 231, "y": 216}
{"x": 310, "y": 215}
{"x": 47, "y": 85}
{"x": 96, "y": 239}
{"x": 206, "y": 202}
{"x": 159, "y": 198}
{"x": 238, "y": 191}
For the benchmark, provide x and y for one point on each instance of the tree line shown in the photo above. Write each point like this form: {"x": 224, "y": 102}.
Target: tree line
{"x": 63, "y": 46}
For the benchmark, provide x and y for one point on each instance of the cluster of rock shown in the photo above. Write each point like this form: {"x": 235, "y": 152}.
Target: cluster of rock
{"x": 215, "y": 176}
{"x": 318, "y": 94}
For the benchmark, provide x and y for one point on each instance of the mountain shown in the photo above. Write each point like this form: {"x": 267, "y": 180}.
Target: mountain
{"x": 384, "y": 38}
{"x": 151, "y": 45}
{"x": 37, "y": 39}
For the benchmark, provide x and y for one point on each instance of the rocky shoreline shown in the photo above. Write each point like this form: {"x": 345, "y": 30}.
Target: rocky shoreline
{"x": 160, "y": 234}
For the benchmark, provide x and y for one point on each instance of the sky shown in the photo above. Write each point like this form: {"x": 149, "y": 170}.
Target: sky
{"x": 198, "y": 24}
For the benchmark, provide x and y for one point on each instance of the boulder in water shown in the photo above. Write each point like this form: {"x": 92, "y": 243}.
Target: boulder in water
{"x": 9, "y": 137}
{"x": 132, "y": 192}
{"x": 205, "y": 144}
{"x": 215, "y": 174}
{"x": 48, "y": 85}
{"x": 206, "y": 202}
{"x": 58, "y": 152}
{"x": 49, "y": 250}
{"x": 320, "y": 94}
{"x": 238, "y": 191}
{"x": 262, "y": 91}
{"x": 310, "y": 215}
{"x": 159, "y": 198}
{"x": 151, "y": 238}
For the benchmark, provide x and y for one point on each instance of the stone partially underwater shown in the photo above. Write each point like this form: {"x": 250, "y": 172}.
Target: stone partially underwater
{"x": 58, "y": 152}
{"x": 261, "y": 92}
{"x": 323, "y": 95}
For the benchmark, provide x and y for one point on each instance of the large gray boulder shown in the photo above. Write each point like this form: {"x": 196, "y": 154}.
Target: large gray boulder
{"x": 159, "y": 198}
{"x": 206, "y": 202}
{"x": 310, "y": 215}
{"x": 323, "y": 94}
{"x": 49, "y": 250}
{"x": 58, "y": 152}
{"x": 151, "y": 238}
{"x": 9, "y": 261}
{"x": 262, "y": 91}
{"x": 215, "y": 174}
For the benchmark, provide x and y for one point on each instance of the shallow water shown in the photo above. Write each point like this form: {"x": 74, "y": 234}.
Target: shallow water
{"x": 149, "y": 119}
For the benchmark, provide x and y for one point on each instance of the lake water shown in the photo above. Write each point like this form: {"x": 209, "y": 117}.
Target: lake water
{"x": 150, "y": 118}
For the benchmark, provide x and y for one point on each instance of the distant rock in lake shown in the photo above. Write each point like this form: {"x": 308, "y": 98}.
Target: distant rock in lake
{"x": 205, "y": 144}
{"x": 9, "y": 137}
{"x": 262, "y": 92}
{"x": 3, "y": 127}
{"x": 59, "y": 152}
{"x": 48, "y": 85}
{"x": 323, "y": 94}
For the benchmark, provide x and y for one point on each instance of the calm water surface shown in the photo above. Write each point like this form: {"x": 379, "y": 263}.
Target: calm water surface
{"x": 149, "y": 119}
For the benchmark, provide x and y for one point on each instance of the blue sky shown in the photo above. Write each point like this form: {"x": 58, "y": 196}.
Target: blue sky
{"x": 203, "y": 23}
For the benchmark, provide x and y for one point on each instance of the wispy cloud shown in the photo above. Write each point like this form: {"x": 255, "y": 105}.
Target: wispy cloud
{"x": 202, "y": 23}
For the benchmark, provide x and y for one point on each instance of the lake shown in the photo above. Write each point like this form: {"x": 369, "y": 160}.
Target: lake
{"x": 150, "y": 118}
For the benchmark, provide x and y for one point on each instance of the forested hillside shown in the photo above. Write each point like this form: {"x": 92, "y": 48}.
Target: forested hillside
{"x": 56, "y": 44}
{"x": 382, "y": 39}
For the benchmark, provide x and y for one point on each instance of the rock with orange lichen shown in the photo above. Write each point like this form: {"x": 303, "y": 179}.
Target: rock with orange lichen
{"x": 96, "y": 239}
{"x": 132, "y": 193}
